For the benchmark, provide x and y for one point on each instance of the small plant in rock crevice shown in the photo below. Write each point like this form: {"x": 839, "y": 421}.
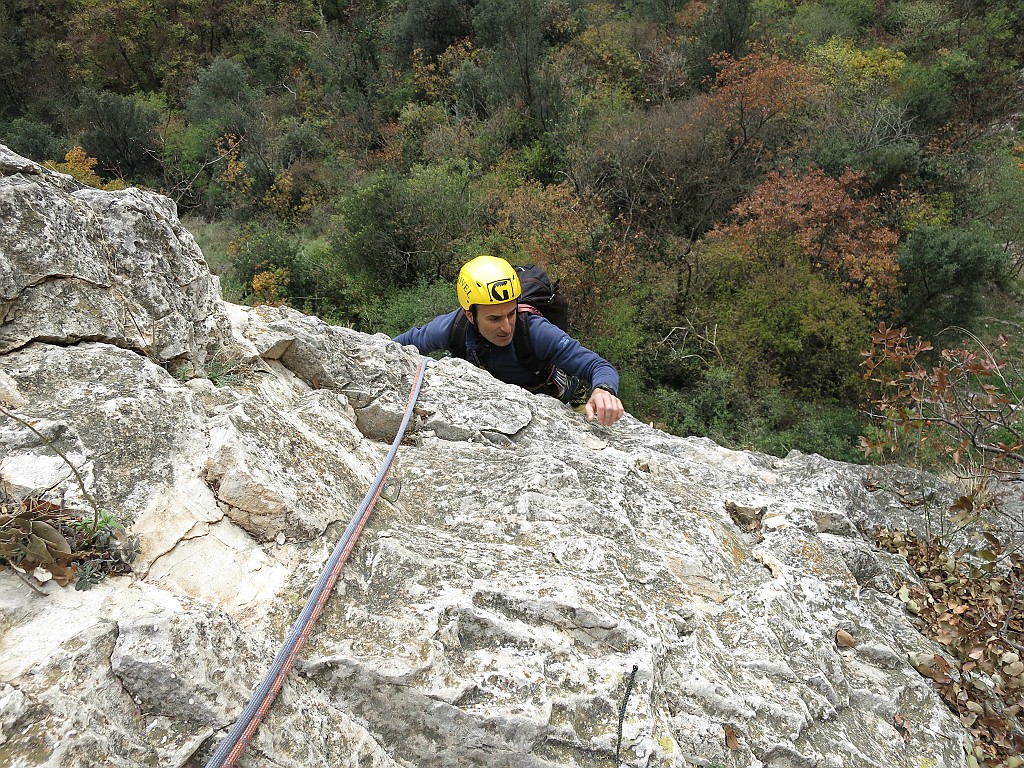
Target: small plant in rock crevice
{"x": 971, "y": 602}
{"x": 48, "y": 541}
{"x": 51, "y": 541}
{"x": 227, "y": 367}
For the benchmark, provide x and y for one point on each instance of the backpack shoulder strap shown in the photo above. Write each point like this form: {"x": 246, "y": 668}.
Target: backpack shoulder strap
{"x": 521, "y": 337}
{"x": 457, "y": 336}
{"x": 524, "y": 341}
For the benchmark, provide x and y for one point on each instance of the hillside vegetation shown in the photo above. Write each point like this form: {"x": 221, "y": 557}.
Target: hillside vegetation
{"x": 735, "y": 194}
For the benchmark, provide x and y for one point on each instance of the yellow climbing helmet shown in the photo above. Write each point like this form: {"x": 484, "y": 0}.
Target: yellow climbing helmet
{"x": 487, "y": 280}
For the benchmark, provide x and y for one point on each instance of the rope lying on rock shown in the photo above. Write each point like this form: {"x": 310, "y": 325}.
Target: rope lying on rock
{"x": 230, "y": 750}
{"x": 622, "y": 713}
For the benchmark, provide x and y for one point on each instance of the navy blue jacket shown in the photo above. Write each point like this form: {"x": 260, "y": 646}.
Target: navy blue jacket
{"x": 550, "y": 343}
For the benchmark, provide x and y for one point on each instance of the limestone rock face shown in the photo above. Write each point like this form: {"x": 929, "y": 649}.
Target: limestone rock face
{"x": 533, "y": 592}
{"x": 116, "y": 267}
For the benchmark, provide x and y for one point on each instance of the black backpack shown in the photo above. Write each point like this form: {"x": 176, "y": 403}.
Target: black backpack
{"x": 540, "y": 297}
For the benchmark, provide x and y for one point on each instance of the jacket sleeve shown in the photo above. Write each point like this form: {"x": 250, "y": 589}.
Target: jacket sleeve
{"x": 555, "y": 345}
{"x": 429, "y": 337}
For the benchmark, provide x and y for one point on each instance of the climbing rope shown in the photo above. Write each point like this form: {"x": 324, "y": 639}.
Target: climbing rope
{"x": 622, "y": 713}
{"x": 230, "y": 750}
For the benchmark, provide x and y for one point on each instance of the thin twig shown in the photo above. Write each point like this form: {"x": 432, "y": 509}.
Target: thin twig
{"x": 32, "y": 586}
{"x": 78, "y": 476}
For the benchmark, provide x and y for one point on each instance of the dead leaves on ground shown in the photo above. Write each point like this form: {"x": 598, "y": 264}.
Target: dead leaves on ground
{"x": 970, "y": 602}
{"x": 29, "y": 539}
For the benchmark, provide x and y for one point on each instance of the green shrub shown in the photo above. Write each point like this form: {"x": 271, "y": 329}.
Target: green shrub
{"x": 944, "y": 271}
{"x": 120, "y": 132}
{"x": 279, "y": 267}
{"x": 222, "y": 97}
{"x": 717, "y": 405}
{"x": 397, "y": 230}
{"x": 814, "y": 23}
{"x": 791, "y": 327}
{"x": 33, "y": 140}
{"x": 431, "y": 25}
{"x": 723, "y": 30}
{"x": 920, "y": 25}
{"x": 544, "y": 160}
{"x": 400, "y": 309}
{"x": 706, "y": 407}
{"x": 927, "y": 94}
{"x": 787, "y": 424}
{"x": 883, "y": 164}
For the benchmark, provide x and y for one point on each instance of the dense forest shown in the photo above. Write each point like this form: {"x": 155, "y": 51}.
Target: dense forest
{"x": 737, "y": 195}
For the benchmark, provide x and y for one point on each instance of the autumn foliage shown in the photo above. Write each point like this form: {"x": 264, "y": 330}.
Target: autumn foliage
{"x": 835, "y": 224}
{"x": 964, "y": 406}
{"x": 750, "y": 97}
{"x": 729, "y": 186}
{"x": 78, "y": 164}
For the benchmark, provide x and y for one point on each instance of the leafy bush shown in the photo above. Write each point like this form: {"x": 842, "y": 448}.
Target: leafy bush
{"x": 544, "y": 160}
{"x": 920, "y": 24}
{"x": 279, "y": 267}
{"x": 792, "y": 328}
{"x": 430, "y": 26}
{"x": 82, "y": 167}
{"x": 722, "y": 28}
{"x": 222, "y": 97}
{"x": 119, "y": 132}
{"x": 398, "y": 310}
{"x": 716, "y": 404}
{"x": 781, "y": 323}
{"x": 817, "y": 22}
{"x": 944, "y": 271}
{"x": 705, "y": 408}
{"x": 32, "y": 139}
{"x": 649, "y": 172}
{"x": 514, "y": 31}
{"x": 782, "y": 424}
{"x": 398, "y": 230}
{"x": 927, "y": 94}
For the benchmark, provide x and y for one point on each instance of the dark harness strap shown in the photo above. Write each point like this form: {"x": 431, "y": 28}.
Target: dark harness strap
{"x": 521, "y": 337}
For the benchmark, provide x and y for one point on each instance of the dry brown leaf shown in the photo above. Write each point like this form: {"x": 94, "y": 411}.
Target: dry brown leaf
{"x": 900, "y": 722}
{"x": 731, "y": 740}
{"x": 845, "y": 640}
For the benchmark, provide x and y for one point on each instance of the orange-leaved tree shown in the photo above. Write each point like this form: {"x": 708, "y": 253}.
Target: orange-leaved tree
{"x": 676, "y": 169}
{"x": 759, "y": 101}
{"x": 837, "y": 228}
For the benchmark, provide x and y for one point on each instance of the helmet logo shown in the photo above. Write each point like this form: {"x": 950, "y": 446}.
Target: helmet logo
{"x": 500, "y": 290}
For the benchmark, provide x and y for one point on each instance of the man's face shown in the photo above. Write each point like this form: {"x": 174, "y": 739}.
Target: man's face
{"x": 495, "y": 322}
